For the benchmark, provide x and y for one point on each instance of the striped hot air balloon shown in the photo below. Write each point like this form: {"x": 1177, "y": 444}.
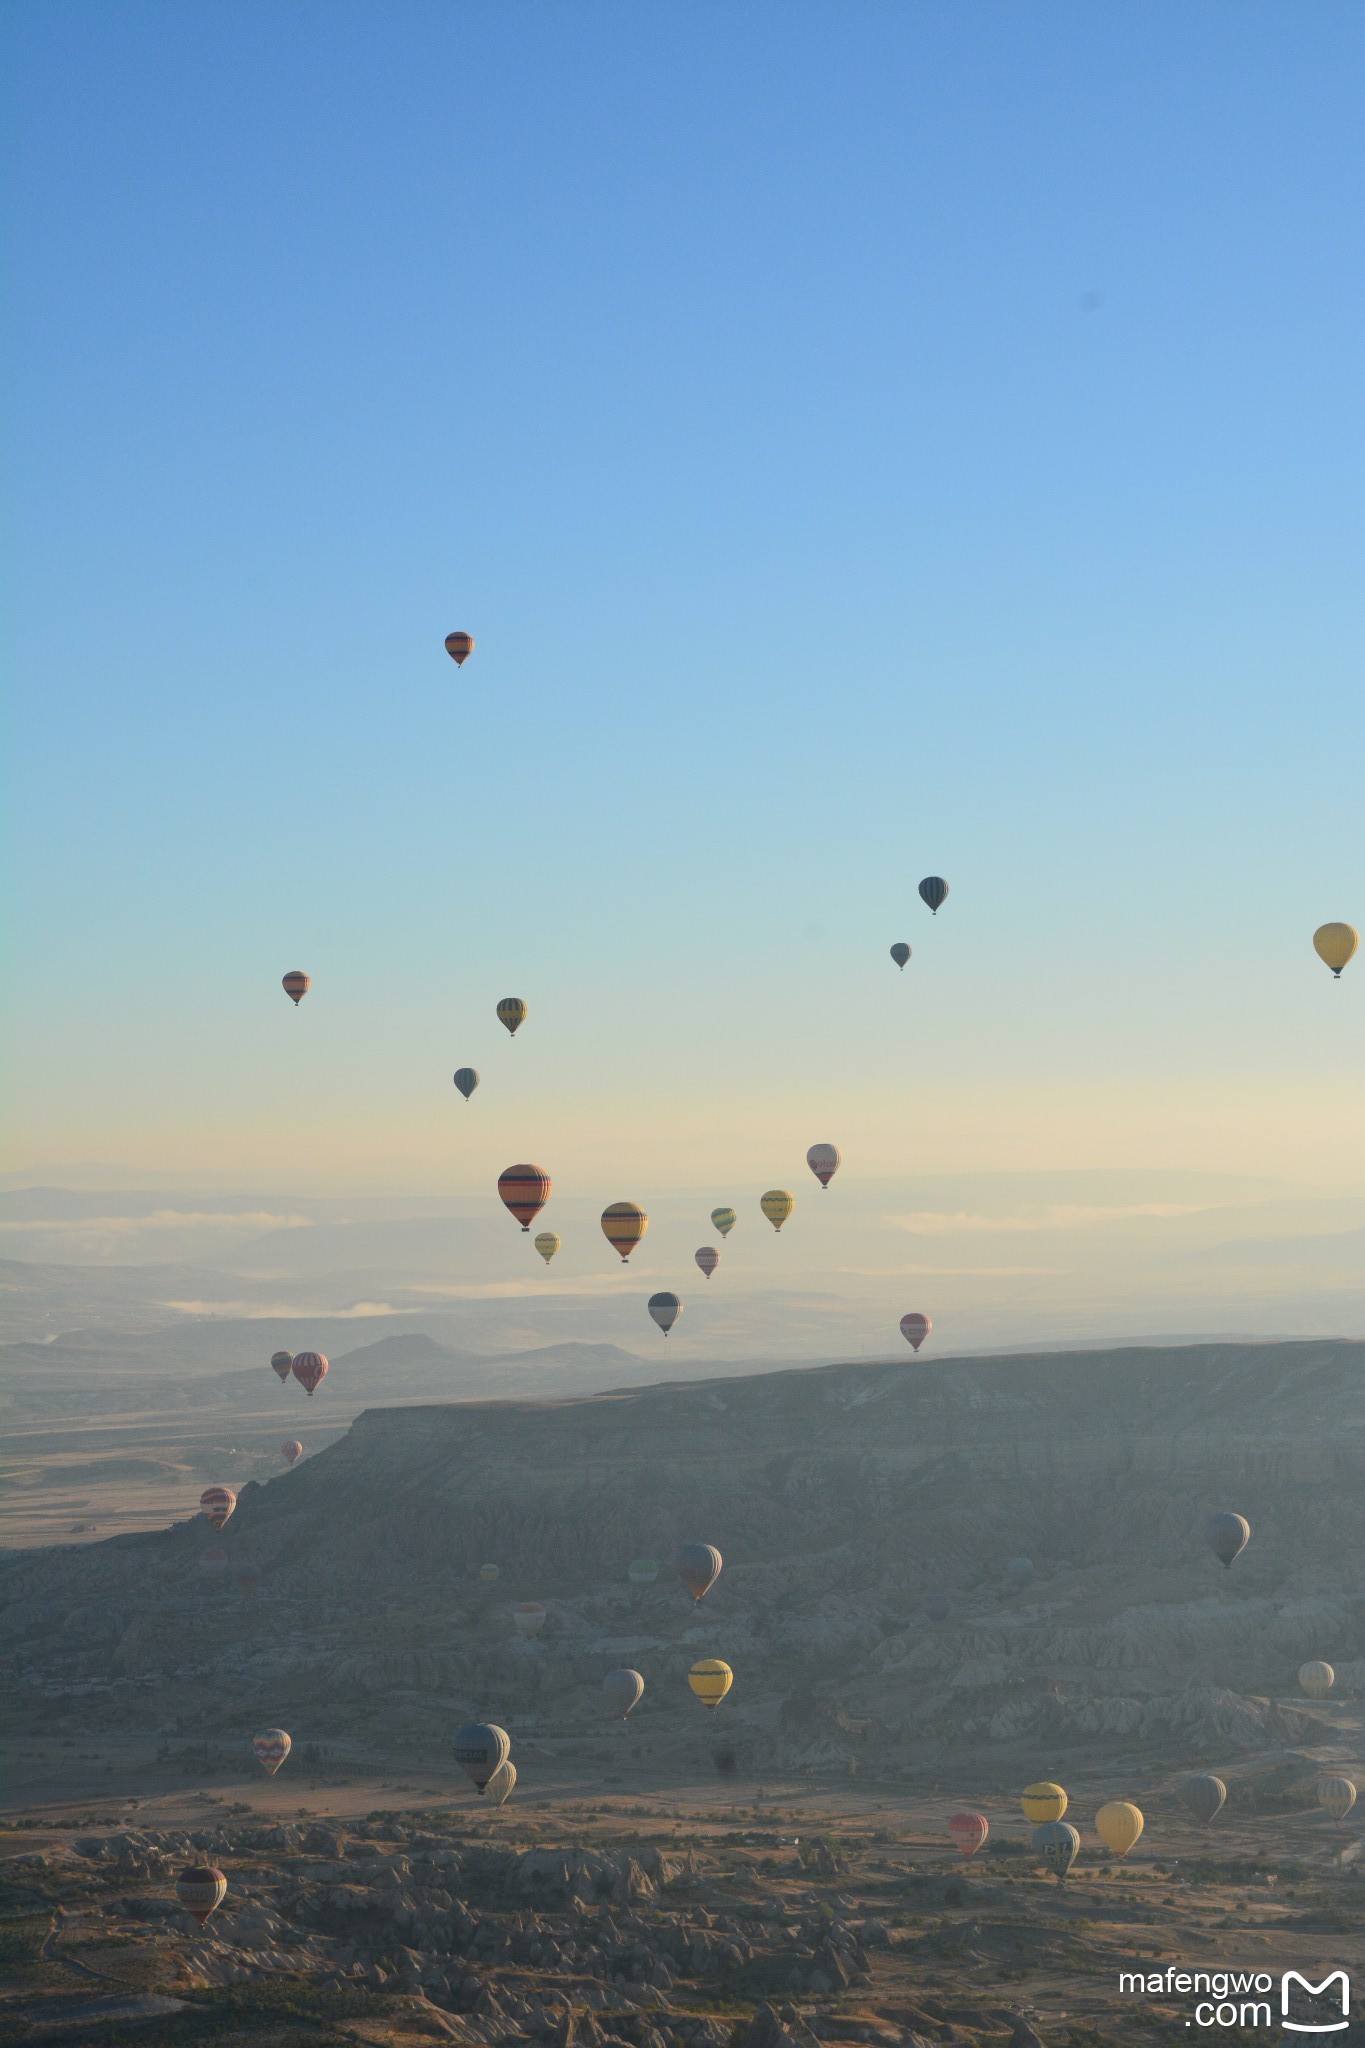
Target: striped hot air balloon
{"x": 823, "y": 1161}
{"x": 512, "y": 1014}
{"x": 547, "y": 1244}
{"x": 708, "y": 1258}
{"x": 528, "y": 1619}
{"x": 900, "y": 953}
{"x": 216, "y": 1504}
{"x": 280, "y": 1362}
{"x": 699, "y": 1566}
{"x": 296, "y": 985}
{"x": 201, "y": 1890}
{"x": 214, "y": 1561}
{"x": 524, "y": 1191}
{"x": 624, "y": 1689}
{"x": 1336, "y": 1795}
{"x": 1317, "y": 1678}
{"x": 466, "y": 1080}
{"x": 310, "y": 1370}
{"x": 933, "y": 891}
{"x": 502, "y": 1784}
{"x": 459, "y": 646}
{"x": 642, "y": 1571}
{"x": 724, "y": 1220}
{"x": 623, "y": 1225}
{"x": 969, "y": 1831}
{"x": 915, "y": 1328}
{"x": 293, "y": 1451}
{"x": 1204, "y": 1795}
{"x": 1043, "y": 1801}
{"x": 777, "y": 1206}
{"x": 665, "y": 1309}
{"x": 710, "y": 1680}
{"x": 272, "y": 1746}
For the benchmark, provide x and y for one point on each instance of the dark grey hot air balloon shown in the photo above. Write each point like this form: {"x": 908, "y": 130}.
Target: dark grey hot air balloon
{"x": 1019, "y": 1570}
{"x": 933, "y": 891}
{"x": 624, "y": 1689}
{"x": 1204, "y": 1795}
{"x": 665, "y": 1309}
{"x": 1056, "y": 1843}
{"x": 900, "y": 953}
{"x": 481, "y": 1750}
{"x": 1227, "y": 1536}
{"x": 699, "y": 1567}
{"x": 466, "y": 1080}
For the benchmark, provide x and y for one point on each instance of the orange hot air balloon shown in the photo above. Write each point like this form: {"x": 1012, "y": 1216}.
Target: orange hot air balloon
{"x": 293, "y": 1451}
{"x": 296, "y": 985}
{"x": 969, "y": 1831}
{"x": 623, "y": 1225}
{"x": 524, "y": 1190}
{"x": 310, "y": 1370}
{"x": 459, "y": 646}
{"x": 216, "y": 1504}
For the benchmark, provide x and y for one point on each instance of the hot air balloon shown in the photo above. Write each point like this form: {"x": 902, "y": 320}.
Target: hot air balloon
{"x": 310, "y": 1370}
{"x": 938, "y": 1606}
{"x": 272, "y": 1746}
{"x": 777, "y": 1206}
{"x": 547, "y": 1244}
{"x": 933, "y": 891}
{"x": 710, "y": 1680}
{"x": 280, "y": 1362}
{"x": 490, "y": 1574}
{"x": 1317, "y": 1679}
{"x": 724, "y": 1220}
{"x": 643, "y": 1571}
{"x": 481, "y": 1749}
{"x": 708, "y": 1258}
{"x": 466, "y": 1080}
{"x": 1043, "y": 1801}
{"x": 823, "y": 1161}
{"x": 1335, "y": 946}
{"x": 293, "y": 1451}
{"x": 459, "y": 646}
{"x": 1056, "y": 1843}
{"x": 623, "y": 1225}
{"x": 1336, "y": 1796}
{"x": 624, "y": 1689}
{"x": 665, "y": 1309}
{"x": 1118, "y": 1825}
{"x": 915, "y": 1328}
{"x": 214, "y": 1561}
{"x": 528, "y": 1619}
{"x": 969, "y": 1831}
{"x": 201, "y": 1890}
{"x": 512, "y": 1013}
{"x": 699, "y": 1566}
{"x": 1227, "y": 1536}
{"x": 1204, "y": 1795}
{"x": 524, "y": 1190}
{"x": 216, "y": 1504}
{"x": 1019, "y": 1571}
{"x": 248, "y": 1579}
{"x": 503, "y": 1783}
{"x": 296, "y": 986}
{"x": 900, "y": 953}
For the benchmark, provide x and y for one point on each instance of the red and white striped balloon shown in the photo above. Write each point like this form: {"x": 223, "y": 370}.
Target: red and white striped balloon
{"x": 216, "y": 1504}
{"x": 272, "y": 1746}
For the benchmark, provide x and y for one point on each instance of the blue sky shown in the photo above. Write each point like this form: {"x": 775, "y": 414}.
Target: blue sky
{"x": 865, "y": 441}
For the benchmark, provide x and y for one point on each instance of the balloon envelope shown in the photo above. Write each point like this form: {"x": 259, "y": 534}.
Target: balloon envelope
{"x": 1118, "y": 1825}
{"x": 777, "y": 1206}
{"x": 623, "y": 1225}
{"x": 624, "y": 1689}
{"x": 201, "y": 1889}
{"x": 665, "y": 1309}
{"x": 1056, "y": 1843}
{"x": 933, "y": 890}
{"x": 547, "y": 1244}
{"x": 900, "y": 953}
{"x": 823, "y": 1161}
{"x": 466, "y": 1080}
{"x": 1335, "y": 945}
{"x": 529, "y": 1618}
{"x": 214, "y": 1561}
{"x": 1020, "y": 1570}
{"x": 643, "y": 1571}
{"x": 272, "y": 1746}
{"x": 969, "y": 1831}
{"x": 1204, "y": 1795}
{"x": 710, "y": 1680}
{"x": 293, "y": 1451}
{"x": 915, "y": 1328}
{"x": 459, "y": 646}
{"x": 512, "y": 1013}
{"x": 280, "y": 1362}
{"x": 216, "y": 1504}
{"x": 481, "y": 1748}
{"x": 296, "y": 985}
{"x": 502, "y": 1784}
{"x": 1336, "y": 1796}
{"x": 524, "y": 1191}
{"x": 724, "y": 1220}
{"x": 310, "y": 1370}
{"x": 1317, "y": 1679}
{"x": 708, "y": 1258}
{"x": 490, "y": 1573}
{"x": 1227, "y": 1536}
{"x": 699, "y": 1566}
{"x": 1043, "y": 1801}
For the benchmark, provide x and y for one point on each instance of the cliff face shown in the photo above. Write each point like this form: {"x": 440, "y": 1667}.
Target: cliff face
{"x": 842, "y": 1497}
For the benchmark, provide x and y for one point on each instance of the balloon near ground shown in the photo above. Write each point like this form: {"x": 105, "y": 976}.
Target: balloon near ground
{"x": 1057, "y": 1844}
{"x": 777, "y": 1206}
{"x": 1043, "y": 1801}
{"x": 466, "y": 1080}
{"x": 524, "y": 1191}
{"x": 1227, "y": 1536}
{"x": 1204, "y": 1795}
{"x": 1335, "y": 945}
{"x": 280, "y": 1363}
{"x": 1118, "y": 1825}
{"x": 490, "y": 1574}
{"x": 216, "y": 1504}
{"x": 272, "y": 1746}
{"x": 214, "y": 1561}
{"x": 547, "y": 1244}
{"x": 823, "y": 1161}
{"x": 481, "y": 1748}
{"x": 624, "y": 1689}
{"x": 724, "y": 1220}
{"x": 969, "y": 1831}
{"x": 512, "y": 1014}
{"x": 710, "y": 1680}
{"x": 665, "y": 1309}
{"x": 1336, "y": 1796}
{"x": 529, "y": 1618}
{"x": 459, "y": 646}
{"x": 699, "y": 1566}
{"x": 933, "y": 891}
{"x": 623, "y": 1225}
{"x": 915, "y": 1328}
{"x": 296, "y": 986}
{"x": 643, "y": 1571}
{"x": 1317, "y": 1679}
{"x": 900, "y": 953}
{"x": 502, "y": 1784}
{"x": 708, "y": 1258}
{"x": 201, "y": 1890}
{"x": 293, "y": 1451}
{"x": 1019, "y": 1571}
{"x": 310, "y": 1370}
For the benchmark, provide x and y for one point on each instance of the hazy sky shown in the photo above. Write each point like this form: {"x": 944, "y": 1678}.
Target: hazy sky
{"x": 866, "y": 440}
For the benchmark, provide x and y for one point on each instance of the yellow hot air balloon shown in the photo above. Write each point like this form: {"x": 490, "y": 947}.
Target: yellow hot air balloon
{"x": 1043, "y": 1801}
{"x": 777, "y": 1206}
{"x": 512, "y": 1013}
{"x": 1118, "y": 1825}
{"x": 547, "y": 1244}
{"x": 710, "y": 1680}
{"x": 623, "y": 1225}
{"x": 1335, "y": 946}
